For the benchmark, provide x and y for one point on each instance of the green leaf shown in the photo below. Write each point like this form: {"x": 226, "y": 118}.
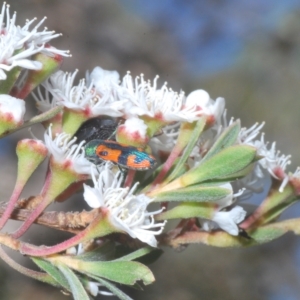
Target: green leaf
{"x": 150, "y": 257}
{"x": 215, "y": 238}
{"x": 226, "y": 139}
{"x": 272, "y": 206}
{"x": 78, "y": 291}
{"x": 195, "y": 194}
{"x": 266, "y": 234}
{"x": 188, "y": 210}
{"x": 239, "y": 174}
{"x": 286, "y": 225}
{"x": 52, "y": 271}
{"x": 136, "y": 254}
{"x": 259, "y": 235}
{"x": 192, "y": 138}
{"x": 144, "y": 186}
{"x": 124, "y": 272}
{"x": 276, "y": 211}
{"x": 225, "y": 163}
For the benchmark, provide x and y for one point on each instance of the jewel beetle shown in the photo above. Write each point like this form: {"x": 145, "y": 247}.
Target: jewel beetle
{"x": 128, "y": 157}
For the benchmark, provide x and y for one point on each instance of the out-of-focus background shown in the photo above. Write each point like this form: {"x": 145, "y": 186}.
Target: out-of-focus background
{"x": 245, "y": 51}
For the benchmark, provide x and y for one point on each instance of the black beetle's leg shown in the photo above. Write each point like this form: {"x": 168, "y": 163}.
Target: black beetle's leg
{"x": 115, "y": 131}
{"x": 98, "y": 166}
{"x": 112, "y": 135}
{"x": 123, "y": 174}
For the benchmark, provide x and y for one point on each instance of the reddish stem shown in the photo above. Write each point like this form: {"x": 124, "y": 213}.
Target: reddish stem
{"x": 47, "y": 181}
{"x": 33, "y": 274}
{"x": 97, "y": 228}
{"x": 11, "y": 204}
{"x": 246, "y": 224}
{"x": 31, "y": 250}
{"x": 37, "y": 211}
{"x": 167, "y": 166}
{"x": 31, "y": 218}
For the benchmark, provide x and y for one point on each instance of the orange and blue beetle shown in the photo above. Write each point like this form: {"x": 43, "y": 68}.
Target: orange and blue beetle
{"x": 128, "y": 157}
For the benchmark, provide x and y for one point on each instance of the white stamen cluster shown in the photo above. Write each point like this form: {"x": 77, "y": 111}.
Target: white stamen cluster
{"x": 127, "y": 212}
{"x": 164, "y": 104}
{"x": 82, "y": 97}
{"x": 102, "y": 94}
{"x": 63, "y": 150}
{"x": 18, "y": 44}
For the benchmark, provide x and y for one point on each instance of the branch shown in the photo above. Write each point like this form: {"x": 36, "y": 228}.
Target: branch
{"x": 72, "y": 222}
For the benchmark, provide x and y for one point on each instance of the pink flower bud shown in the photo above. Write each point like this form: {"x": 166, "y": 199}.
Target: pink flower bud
{"x": 12, "y": 111}
{"x": 133, "y": 132}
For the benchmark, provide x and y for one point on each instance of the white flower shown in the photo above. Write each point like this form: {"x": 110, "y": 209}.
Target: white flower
{"x": 162, "y": 143}
{"x": 296, "y": 174}
{"x": 43, "y": 102}
{"x": 93, "y": 288}
{"x": 105, "y": 82}
{"x": 74, "y": 251}
{"x": 127, "y": 212}
{"x": 203, "y": 105}
{"x": 18, "y": 44}
{"x": 247, "y": 136}
{"x": 60, "y": 85}
{"x": 165, "y": 141}
{"x": 272, "y": 161}
{"x": 12, "y": 109}
{"x": 229, "y": 199}
{"x": 65, "y": 151}
{"x": 162, "y": 104}
{"x": 82, "y": 97}
{"x": 254, "y": 182}
{"x": 228, "y": 220}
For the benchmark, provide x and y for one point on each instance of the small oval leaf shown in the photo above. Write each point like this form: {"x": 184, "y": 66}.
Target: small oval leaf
{"x": 188, "y": 210}
{"x": 226, "y": 139}
{"x": 225, "y": 163}
{"x": 77, "y": 289}
{"x": 52, "y": 271}
{"x": 194, "y": 194}
{"x": 124, "y": 272}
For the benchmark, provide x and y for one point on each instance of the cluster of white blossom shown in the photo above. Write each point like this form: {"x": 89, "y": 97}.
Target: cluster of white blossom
{"x": 19, "y": 44}
{"x": 132, "y": 99}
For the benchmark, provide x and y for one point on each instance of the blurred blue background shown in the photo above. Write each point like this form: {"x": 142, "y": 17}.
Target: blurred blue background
{"x": 245, "y": 51}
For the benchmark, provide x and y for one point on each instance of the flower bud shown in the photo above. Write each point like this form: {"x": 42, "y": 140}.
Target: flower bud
{"x": 12, "y": 111}
{"x": 30, "y": 154}
{"x": 133, "y": 132}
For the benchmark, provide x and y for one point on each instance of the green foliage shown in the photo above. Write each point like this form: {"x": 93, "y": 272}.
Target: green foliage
{"x": 199, "y": 193}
